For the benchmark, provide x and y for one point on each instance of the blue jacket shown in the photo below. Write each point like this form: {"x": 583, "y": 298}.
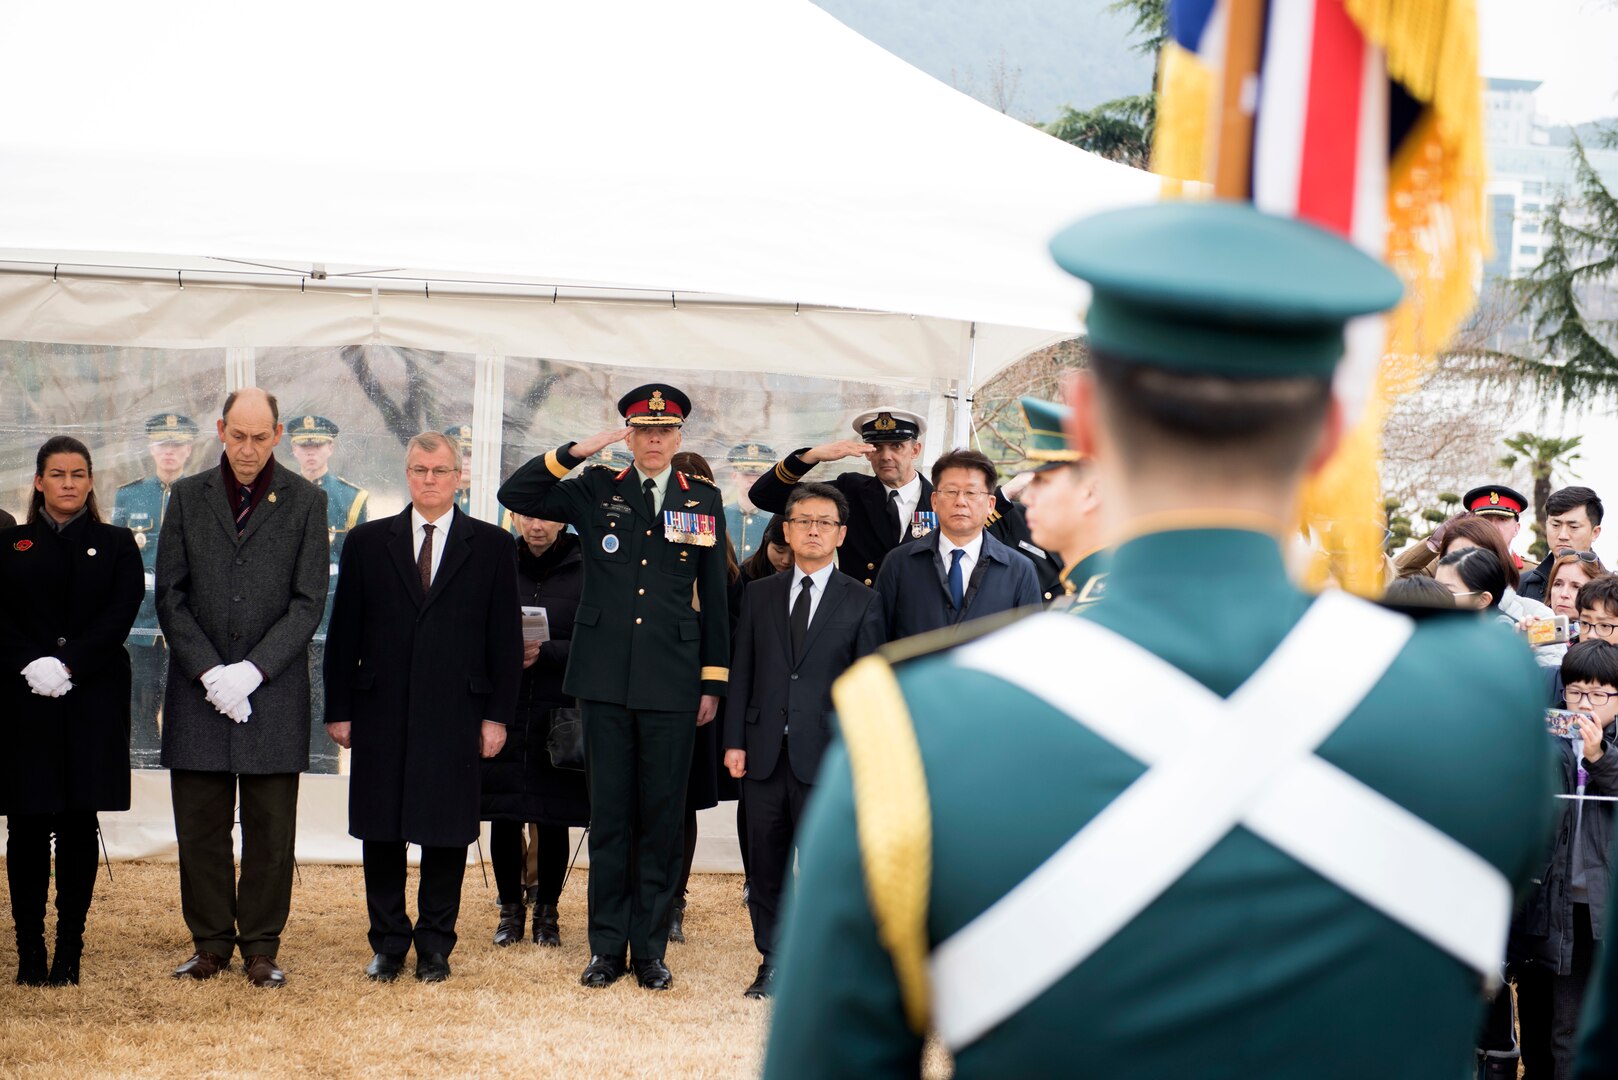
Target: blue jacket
{"x": 914, "y": 590}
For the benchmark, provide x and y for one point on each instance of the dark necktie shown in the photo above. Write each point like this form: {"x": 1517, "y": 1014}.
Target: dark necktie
{"x": 800, "y": 617}
{"x": 650, "y": 487}
{"x": 244, "y": 497}
{"x": 424, "y": 560}
{"x": 957, "y": 588}
{"x": 894, "y": 526}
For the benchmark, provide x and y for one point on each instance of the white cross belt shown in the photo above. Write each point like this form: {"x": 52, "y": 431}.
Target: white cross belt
{"x": 1247, "y": 761}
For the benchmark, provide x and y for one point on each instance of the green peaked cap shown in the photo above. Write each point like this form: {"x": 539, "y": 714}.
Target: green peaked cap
{"x": 1221, "y": 288}
{"x": 1047, "y": 442}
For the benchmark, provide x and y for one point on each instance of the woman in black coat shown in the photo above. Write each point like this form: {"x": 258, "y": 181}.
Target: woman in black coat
{"x": 520, "y": 785}
{"x": 70, "y": 587}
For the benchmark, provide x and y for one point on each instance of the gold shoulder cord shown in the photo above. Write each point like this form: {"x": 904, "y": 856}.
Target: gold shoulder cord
{"x": 894, "y": 820}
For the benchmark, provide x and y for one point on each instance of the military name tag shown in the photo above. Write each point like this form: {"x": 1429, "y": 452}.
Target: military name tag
{"x": 699, "y": 530}
{"x": 923, "y": 523}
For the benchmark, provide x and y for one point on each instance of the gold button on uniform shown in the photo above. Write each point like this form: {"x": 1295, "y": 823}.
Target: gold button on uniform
{"x": 637, "y": 622}
{"x": 870, "y": 566}
{"x": 640, "y": 592}
{"x": 643, "y": 562}
{"x": 867, "y": 581}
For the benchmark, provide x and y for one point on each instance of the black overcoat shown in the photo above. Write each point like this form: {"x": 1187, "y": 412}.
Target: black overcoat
{"x": 73, "y": 596}
{"x": 417, "y": 675}
{"x": 520, "y": 783}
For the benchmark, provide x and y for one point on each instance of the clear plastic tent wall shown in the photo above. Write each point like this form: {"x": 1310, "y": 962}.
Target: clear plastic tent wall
{"x": 404, "y": 217}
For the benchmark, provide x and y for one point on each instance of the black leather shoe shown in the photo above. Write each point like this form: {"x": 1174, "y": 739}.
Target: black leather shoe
{"x": 31, "y": 969}
{"x": 653, "y": 975}
{"x": 431, "y": 967}
{"x": 546, "y": 931}
{"x": 202, "y": 965}
{"x": 509, "y": 930}
{"x": 764, "y": 985}
{"x": 677, "y": 922}
{"x": 385, "y": 967}
{"x": 602, "y": 971}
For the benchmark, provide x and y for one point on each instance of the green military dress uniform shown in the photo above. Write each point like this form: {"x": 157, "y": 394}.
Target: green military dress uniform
{"x": 462, "y": 436}
{"x": 745, "y": 525}
{"x": 1083, "y": 583}
{"x": 139, "y": 506}
{"x": 643, "y": 655}
{"x": 1210, "y": 827}
{"x": 346, "y": 507}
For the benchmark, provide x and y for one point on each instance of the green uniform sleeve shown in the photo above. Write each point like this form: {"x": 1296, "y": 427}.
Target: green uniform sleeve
{"x": 837, "y": 1012}
{"x": 537, "y": 489}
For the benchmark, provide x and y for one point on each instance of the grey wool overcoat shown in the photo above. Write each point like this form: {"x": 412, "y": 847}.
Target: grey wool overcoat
{"x": 222, "y": 598}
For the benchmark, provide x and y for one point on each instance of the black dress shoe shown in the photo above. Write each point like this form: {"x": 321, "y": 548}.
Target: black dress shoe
{"x": 602, "y": 971}
{"x": 653, "y": 975}
{"x": 764, "y": 985}
{"x": 431, "y": 967}
{"x": 546, "y": 931}
{"x": 509, "y": 930}
{"x": 385, "y": 967}
{"x": 677, "y": 922}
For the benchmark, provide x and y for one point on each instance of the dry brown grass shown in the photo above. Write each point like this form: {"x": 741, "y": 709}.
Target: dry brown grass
{"x": 505, "y": 1012}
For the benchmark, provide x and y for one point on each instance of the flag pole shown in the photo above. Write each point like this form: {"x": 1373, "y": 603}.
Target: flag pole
{"x": 1238, "y": 100}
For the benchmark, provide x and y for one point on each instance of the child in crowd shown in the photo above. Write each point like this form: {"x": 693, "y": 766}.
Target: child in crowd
{"x": 1555, "y": 940}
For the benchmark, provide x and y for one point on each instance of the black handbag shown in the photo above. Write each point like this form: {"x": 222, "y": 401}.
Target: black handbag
{"x": 564, "y": 740}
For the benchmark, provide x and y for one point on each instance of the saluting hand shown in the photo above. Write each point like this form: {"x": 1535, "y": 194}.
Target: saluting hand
{"x": 736, "y": 762}
{"x": 494, "y": 738}
{"x": 594, "y": 444}
{"x": 837, "y": 451}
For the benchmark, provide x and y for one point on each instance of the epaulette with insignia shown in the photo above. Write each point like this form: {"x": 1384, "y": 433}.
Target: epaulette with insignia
{"x": 948, "y": 637}
{"x": 603, "y": 468}
{"x": 349, "y": 483}
{"x": 701, "y": 479}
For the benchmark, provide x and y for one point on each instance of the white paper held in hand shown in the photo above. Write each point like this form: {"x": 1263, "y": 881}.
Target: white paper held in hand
{"x": 536, "y": 625}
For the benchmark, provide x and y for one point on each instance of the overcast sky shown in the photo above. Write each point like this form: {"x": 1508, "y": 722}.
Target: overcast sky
{"x": 1571, "y": 45}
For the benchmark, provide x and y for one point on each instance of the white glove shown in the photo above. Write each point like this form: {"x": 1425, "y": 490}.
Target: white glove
{"x": 230, "y": 684}
{"x": 241, "y": 712}
{"x": 48, "y": 677}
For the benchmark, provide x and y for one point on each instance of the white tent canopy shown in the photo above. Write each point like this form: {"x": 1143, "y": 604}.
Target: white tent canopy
{"x": 731, "y": 184}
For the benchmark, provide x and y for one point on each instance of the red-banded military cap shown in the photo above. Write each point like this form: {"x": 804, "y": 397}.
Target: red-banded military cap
{"x": 654, "y": 405}
{"x": 1494, "y": 500}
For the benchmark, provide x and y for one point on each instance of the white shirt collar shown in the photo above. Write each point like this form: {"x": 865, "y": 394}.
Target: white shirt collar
{"x": 819, "y": 577}
{"x": 910, "y": 492}
{"x": 440, "y": 524}
{"x": 972, "y": 547}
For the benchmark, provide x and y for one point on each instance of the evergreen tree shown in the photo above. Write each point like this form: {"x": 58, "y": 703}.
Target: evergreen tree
{"x": 1543, "y": 454}
{"x": 1121, "y": 129}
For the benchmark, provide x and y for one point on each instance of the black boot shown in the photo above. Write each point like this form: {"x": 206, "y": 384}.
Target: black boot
{"x": 76, "y": 858}
{"x": 677, "y": 922}
{"x": 28, "y": 873}
{"x": 546, "y": 931}
{"x": 509, "y": 930}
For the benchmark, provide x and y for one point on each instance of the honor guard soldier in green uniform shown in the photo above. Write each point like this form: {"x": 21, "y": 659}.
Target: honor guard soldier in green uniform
{"x": 314, "y": 439}
{"x": 1213, "y": 826}
{"x": 139, "y": 507}
{"x": 1063, "y": 507}
{"x": 744, "y": 522}
{"x": 462, "y": 436}
{"x": 650, "y": 660}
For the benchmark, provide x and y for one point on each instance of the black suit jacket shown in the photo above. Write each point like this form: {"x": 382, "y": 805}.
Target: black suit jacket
{"x": 869, "y": 538}
{"x": 770, "y": 692}
{"x": 417, "y": 674}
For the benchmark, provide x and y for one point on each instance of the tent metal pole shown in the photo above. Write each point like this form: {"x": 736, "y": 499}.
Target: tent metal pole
{"x": 964, "y": 391}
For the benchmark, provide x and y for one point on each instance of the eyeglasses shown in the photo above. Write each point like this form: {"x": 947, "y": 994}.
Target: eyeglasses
{"x": 1594, "y": 697}
{"x": 1584, "y": 556}
{"x": 437, "y": 472}
{"x": 815, "y": 524}
{"x": 956, "y": 494}
{"x": 1599, "y": 629}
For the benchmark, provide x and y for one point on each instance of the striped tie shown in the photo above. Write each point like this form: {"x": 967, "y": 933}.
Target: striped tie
{"x": 244, "y": 495}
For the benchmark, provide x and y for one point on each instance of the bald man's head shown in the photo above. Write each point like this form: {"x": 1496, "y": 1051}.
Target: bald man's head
{"x": 250, "y": 429}
{"x": 253, "y": 395}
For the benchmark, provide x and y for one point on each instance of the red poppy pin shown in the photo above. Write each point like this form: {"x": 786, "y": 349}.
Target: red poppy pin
{"x": 23, "y": 545}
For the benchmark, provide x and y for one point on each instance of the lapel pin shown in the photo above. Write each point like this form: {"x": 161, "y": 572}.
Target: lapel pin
{"x": 91, "y": 552}
{"x": 22, "y": 545}
{"x": 272, "y": 496}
